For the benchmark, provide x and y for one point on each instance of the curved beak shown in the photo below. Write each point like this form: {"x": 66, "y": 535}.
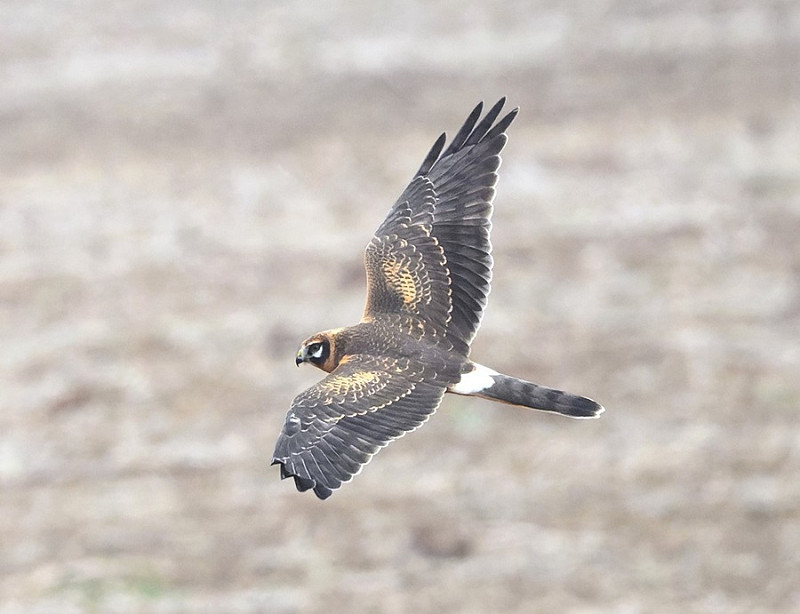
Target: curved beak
{"x": 301, "y": 357}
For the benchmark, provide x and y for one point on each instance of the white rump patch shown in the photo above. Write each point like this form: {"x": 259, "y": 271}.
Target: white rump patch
{"x": 480, "y": 378}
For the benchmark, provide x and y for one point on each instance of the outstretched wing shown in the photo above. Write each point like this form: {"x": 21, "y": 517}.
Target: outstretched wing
{"x": 337, "y": 425}
{"x": 443, "y": 219}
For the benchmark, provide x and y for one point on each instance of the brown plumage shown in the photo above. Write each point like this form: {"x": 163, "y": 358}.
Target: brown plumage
{"x": 429, "y": 270}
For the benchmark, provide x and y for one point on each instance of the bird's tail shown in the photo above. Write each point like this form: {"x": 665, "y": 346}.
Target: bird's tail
{"x": 488, "y": 384}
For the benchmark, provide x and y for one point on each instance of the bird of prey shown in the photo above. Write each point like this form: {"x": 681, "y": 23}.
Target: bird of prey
{"x": 428, "y": 273}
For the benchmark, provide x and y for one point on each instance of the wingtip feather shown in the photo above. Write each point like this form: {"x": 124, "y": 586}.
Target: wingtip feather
{"x": 432, "y": 156}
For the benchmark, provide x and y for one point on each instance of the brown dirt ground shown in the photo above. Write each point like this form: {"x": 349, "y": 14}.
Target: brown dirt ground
{"x": 185, "y": 189}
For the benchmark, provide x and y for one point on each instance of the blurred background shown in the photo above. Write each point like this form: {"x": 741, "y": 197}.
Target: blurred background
{"x": 185, "y": 192}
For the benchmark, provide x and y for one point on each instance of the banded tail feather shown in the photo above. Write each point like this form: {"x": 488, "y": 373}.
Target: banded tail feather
{"x": 488, "y": 384}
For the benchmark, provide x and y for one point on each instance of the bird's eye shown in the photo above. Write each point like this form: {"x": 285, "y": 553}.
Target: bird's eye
{"x": 315, "y": 350}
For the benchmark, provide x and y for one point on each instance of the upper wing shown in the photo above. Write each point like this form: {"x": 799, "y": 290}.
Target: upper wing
{"x": 406, "y": 268}
{"x": 443, "y": 217}
{"x": 337, "y": 425}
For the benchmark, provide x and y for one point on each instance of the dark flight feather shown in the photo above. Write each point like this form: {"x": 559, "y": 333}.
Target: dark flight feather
{"x": 462, "y": 180}
{"x": 342, "y": 427}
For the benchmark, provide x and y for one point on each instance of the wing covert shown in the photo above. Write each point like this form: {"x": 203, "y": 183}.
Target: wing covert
{"x": 406, "y": 276}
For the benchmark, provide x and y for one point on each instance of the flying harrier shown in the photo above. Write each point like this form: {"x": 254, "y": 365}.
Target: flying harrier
{"x": 428, "y": 273}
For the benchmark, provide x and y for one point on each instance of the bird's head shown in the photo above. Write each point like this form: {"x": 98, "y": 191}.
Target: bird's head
{"x": 319, "y": 350}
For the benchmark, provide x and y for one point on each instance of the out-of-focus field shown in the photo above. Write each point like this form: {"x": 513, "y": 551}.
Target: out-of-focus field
{"x": 185, "y": 191}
